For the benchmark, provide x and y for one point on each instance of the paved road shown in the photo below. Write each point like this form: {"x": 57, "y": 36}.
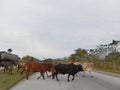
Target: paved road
{"x": 98, "y": 82}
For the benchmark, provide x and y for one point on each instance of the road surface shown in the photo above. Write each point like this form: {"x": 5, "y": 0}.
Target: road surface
{"x": 100, "y": 81}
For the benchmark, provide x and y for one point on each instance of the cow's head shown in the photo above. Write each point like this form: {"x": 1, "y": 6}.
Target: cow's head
{"x": 79, "y": 67}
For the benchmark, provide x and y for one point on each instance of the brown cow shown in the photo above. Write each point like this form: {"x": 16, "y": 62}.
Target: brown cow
{"x": 49, "y": 68}
{"x": 38, "y": 67}
{"x": 20, "y": 65}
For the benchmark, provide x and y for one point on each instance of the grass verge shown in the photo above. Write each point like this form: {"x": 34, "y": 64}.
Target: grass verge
{"x": 7, "y": 80}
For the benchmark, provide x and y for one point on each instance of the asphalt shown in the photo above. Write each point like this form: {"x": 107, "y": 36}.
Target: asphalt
{"x": 108, "y": 73}
{"x": 99, "y": 81}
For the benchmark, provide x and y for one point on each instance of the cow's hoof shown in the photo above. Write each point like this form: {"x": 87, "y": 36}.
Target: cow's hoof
{"x": 76, "y": 75}
{"x": 38, "y": 77}
{"x": 91, "y": 76}
{"x": 83, "y": 75}
{"x": 68, "y": 80}
{"x": 53, "y": 77}
{"x": 43, "y": 78}
{"x": 57, "y": 80}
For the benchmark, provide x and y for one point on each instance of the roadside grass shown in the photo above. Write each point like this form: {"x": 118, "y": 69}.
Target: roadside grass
{"x": 108, "y": 67}
{"x": 7, "y": 80}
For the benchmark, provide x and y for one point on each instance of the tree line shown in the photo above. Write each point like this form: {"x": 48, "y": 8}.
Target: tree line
{"x": 107, "y": 52}
{"x": 106, "y": 56}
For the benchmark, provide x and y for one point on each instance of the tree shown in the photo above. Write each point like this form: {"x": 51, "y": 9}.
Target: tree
{"x": 113, "y": 56}
{"x": 80, "y": 53}
{"x": 114, "y": 45}
{"x": 92, "y": 55}
{"x": 104, "y": 49}
{"x": 29, "y": 58}
{"x": 9, "y": 50}
{"x": 72, "y": 58}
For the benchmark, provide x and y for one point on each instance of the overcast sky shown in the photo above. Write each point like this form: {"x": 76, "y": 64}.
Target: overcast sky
{"x": 55, "y": 28}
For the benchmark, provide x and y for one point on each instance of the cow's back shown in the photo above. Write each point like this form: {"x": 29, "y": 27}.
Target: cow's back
{"x": 36, "y": 67}
{"x": 65, "y": 68}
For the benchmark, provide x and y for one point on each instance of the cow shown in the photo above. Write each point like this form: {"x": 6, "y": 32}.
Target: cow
{"x": 8, "y": 66}
{"x": 37, "y": 67}
{"x": 49, "y": 68}
{"x": 87, "y": 66}
{"x": 20, "y": 65}
{"x": 69, "y": 69}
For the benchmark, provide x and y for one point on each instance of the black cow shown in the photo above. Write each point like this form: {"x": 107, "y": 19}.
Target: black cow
{"x": 69, "y": 69}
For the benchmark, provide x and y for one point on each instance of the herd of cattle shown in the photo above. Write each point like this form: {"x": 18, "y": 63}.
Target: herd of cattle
{"x": 54, "y": 68}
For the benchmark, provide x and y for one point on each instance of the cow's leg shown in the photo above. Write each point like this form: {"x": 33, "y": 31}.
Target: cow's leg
{"x": 7, "y": 69}
{"x": 27, "y": 75}
{"x": 78, "y": 74}
{"x": 10, "y": 70}
{"x": 50, "y": 76}
{"x": 73, "y": 77}
{"x": 90, "y": 71}
{"x": 53, "y": 75}
{"x": 83, "y": 73}
{"x": 47, "y": 74}
{"x": 68, "y": 77}
{"x": 23, "y": 70}
{"x": 57, "y": 76}
{"x": 4, "y": 69}
{"x": 43, "y": 75}
{"x": 18, "y": 68}
{"x": 39, "y": 76}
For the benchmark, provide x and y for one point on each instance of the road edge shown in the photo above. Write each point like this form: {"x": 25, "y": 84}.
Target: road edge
{"x": 108, "y": 73}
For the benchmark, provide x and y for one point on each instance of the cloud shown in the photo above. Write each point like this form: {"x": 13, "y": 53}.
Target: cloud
{"x": 50, "y": 28}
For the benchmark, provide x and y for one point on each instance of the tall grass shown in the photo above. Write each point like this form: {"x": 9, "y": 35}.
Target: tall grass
{"x": 108, "y": 66}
